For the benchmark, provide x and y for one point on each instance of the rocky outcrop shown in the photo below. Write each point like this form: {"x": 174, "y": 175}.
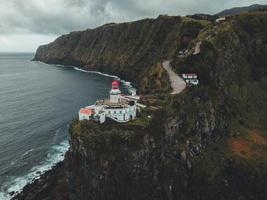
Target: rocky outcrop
{"x": 130, "y": 161}
{"x": 51, "y": 185}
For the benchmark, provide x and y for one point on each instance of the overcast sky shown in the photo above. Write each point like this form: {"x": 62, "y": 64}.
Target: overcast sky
{"x": 26, "y": 24}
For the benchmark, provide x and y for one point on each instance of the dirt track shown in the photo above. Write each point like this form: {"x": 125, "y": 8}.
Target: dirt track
{"x": 177, "y": 83}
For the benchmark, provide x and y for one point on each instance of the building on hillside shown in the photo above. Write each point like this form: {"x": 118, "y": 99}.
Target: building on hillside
{"x": 190, "y": 78}
{"x": 182, "y": 54}
{"x": 220, "y": 19}
{"x": 85, "y": 113}
{"x": 120, "y": 108}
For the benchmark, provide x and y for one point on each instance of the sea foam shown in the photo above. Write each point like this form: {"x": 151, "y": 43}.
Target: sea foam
{"x": 96, "y": 72}
{"x": 55, "y": 154}
{"x": 127, "y": 84}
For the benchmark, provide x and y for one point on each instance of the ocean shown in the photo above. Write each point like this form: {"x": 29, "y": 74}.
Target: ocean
{"x": 37, "y": 102}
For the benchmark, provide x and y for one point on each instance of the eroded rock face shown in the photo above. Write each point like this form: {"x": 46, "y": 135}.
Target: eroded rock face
{"x": 128, "y": 162}
{"x": 51, "y": 185}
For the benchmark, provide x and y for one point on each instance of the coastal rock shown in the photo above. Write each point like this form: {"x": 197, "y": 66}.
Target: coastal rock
{"x": 50, "y": 186}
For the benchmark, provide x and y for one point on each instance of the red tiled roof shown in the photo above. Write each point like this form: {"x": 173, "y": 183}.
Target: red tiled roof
{"x": 86, "y": 111}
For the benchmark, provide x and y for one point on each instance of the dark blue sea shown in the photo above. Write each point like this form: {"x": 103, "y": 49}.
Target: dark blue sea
{"x": 37, "y": 102}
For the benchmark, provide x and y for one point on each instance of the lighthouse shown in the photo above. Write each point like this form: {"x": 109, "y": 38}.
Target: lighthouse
{"x": 115, "y": 92}
{"x": 118, "y": 107}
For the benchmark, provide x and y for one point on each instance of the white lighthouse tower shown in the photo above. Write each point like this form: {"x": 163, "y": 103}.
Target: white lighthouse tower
{"x": 118, "y": 107}
{"x": 115, "y": 92}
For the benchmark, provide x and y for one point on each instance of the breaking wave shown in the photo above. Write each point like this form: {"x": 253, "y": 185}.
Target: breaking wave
{"x": 55, "y": 154}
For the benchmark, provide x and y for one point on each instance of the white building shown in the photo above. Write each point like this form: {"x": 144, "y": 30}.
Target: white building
{"x": 118, "y": 107}
{"x": 220, "y": 19}
{"x": 85, "y": 113}
{"x": 190, "y": 78}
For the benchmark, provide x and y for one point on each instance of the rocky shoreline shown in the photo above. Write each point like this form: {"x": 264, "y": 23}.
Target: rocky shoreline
{"x": 50, "y": 186}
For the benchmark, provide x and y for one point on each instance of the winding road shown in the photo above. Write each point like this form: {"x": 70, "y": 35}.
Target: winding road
{"x": 177, "y": 83}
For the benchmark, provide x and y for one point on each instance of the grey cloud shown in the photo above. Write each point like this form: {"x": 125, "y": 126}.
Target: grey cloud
{"x": 78, "y": 3}
{"x": 62, "y": 16}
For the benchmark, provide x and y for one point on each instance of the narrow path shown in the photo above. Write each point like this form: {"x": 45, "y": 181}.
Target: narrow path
{"x": 177, "y": 83}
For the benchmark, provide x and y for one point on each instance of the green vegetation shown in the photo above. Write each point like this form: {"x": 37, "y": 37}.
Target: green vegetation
{"x": 247, "y": 150}
{"x": 190, "y": 21}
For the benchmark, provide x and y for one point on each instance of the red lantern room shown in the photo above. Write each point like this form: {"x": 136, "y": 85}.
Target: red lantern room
{"x": 115, "y": 85}
{"x": 115, "y": 92}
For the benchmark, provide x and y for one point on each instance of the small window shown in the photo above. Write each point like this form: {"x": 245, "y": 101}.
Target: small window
{"x": 120, "y": 112}
{"x": 115, "y": 112}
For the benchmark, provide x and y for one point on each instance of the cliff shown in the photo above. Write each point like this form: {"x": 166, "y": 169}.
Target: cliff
{"x": 129, "y": 50}
{"x": 208, "y": 142}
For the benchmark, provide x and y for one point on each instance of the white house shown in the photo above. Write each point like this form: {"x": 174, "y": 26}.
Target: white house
{"x": 85, "y": 113}
{"x": 118, "y": 107}
{"x": 220, "y": 19}
{"x": 190, "y": 78}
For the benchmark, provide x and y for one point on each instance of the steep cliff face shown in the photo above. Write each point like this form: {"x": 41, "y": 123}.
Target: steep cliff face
{"x": 122, "y": 162}
{"x": 129, "y": 50}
